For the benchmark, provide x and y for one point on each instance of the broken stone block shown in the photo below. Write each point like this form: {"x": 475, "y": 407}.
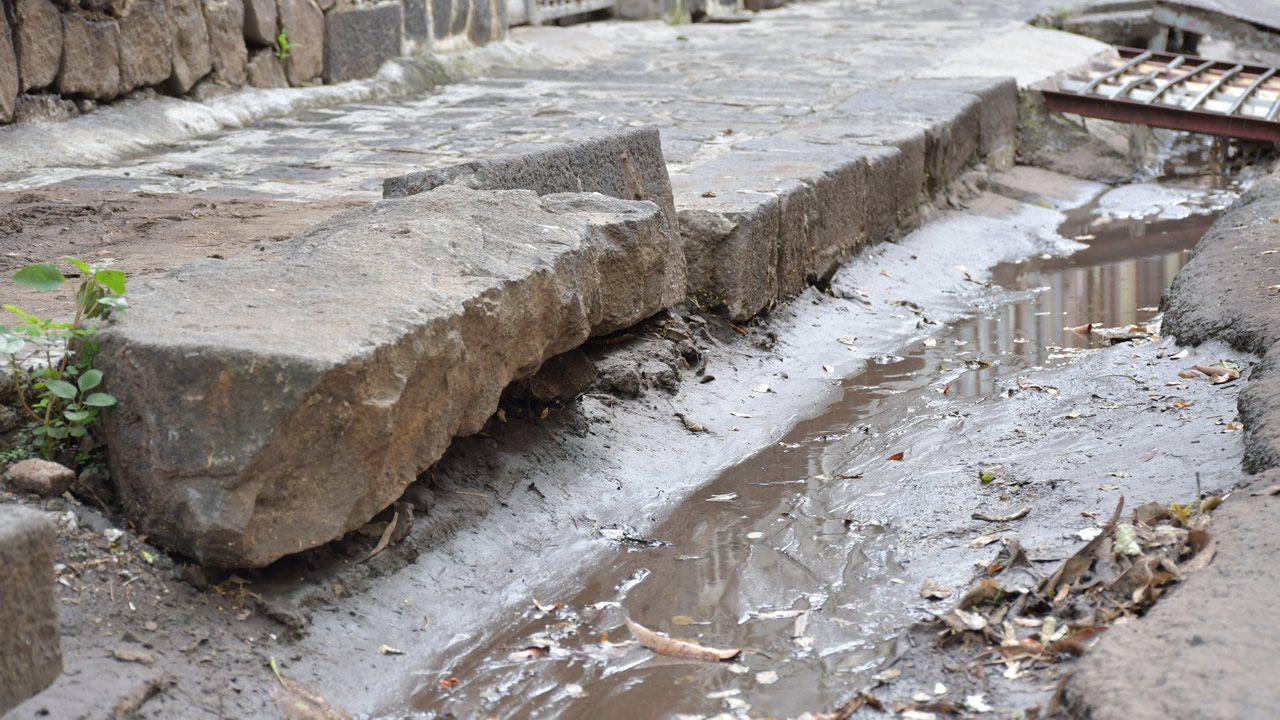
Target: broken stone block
{"x": 265, "y": 70}
{"x": 30, "y": 638}
{"x": 225, "y": 19}
{"x": 146, "y": 45}
{"x": 359, "y": 39}
{"x": 8, "y": 72}
{"x": 266, "y": 408}
{"x": 90, "y": 58}
{"x": 37, "y": 39}
{"x": 260, "y": 26}
{"x": 304, "y": 22}
{"x": 41, "y": 477}
{"x": 626, "y": 165}
{"x": 192, "y": 58}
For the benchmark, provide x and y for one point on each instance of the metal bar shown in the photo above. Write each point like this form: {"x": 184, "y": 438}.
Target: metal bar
{"x": 1275, "y": 108}
{"x": 1118, "y": 71}
{"x": 1144, "y": 79}
{"x": 1213, "y": 87}
{"x": 1249, "y": 90}
{"x": 1184, "y": 76}
{"x": 1174, "y": 118}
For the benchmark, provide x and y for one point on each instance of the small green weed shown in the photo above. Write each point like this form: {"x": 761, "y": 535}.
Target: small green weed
{"x": 62, "y": 396}
{"x": 283, "y": 46}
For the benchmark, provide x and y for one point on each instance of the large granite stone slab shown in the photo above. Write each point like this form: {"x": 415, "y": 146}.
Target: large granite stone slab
{"x": 627, "y": 164}
{"x": 268, "y": 407}
{"x": 30, "y": 639}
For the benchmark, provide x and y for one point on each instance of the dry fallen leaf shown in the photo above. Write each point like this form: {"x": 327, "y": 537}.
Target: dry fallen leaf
{"x": 828, "y": 368}
{"x": 388, "y": 650}
{"x": 665, "y": 645}
{"x": 546, "y": 608}
{"x": 299, "y": 702}
{"x": 1273, "y": 490}
{"x": 1183, "y": 403}
{"x": 1219, "y": 374}
{"x": 895, "y": 456}
{"x": 1080, "y": 329}
{"x": 982, "y": 541}
{"x": 1187, "y": 375}
{"x": 933, "y": 590}
{"x": 1003, "y": 518}
{"x": 1179, "y": 355}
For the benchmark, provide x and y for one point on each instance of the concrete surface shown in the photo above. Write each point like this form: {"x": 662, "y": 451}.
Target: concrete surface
{"x": 30, "y": 645}
{"x": 270, "y": 407}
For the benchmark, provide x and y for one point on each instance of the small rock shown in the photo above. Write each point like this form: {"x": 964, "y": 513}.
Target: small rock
{"x": 113, "y": 534}
{"x": 41, "y": 477}
{"x": 128, "y": 654}
{"x": 8, "y": 418}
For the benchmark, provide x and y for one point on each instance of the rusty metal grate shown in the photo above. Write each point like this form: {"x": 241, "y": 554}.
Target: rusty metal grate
{"x": 1174, "y": 91}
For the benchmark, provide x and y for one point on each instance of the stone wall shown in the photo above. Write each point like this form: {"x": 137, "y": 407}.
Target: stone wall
{"x": 59, "y": 58}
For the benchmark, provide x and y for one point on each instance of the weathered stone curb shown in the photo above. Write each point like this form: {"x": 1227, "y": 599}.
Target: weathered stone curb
{"x": 627, "y": 165}
{"x": 1228, "y": 265}
{"x": 773, "y": 215}
{"x": 30, "y": 639}
{"x": 1209, "y": 649}
{"x": 266, "y": 408}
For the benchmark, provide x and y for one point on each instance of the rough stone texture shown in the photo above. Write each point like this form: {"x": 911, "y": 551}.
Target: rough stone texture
{"x": 8, "y": 72}
{"x": 304, "y": 22}
{"x": 1229, "y": 266}
{"x": 40, "y": 476}
{"x": 225, "y": 19}
{"x": 90, "y": 58}
{"x": 146, "y": 45}
{"x": 244, "y": 433}
{"x": 44, "y": 108}
{"x": 951, "y": 121}
{"x": 1207, "y": 650}
{"x": 265, "y": 70}
{"x": 1244, "y": 313}
{"x": 481, "y": 28}
{"x": 192, "y": 58}
{"x": 260, "y": 25}
{"x": 359, "y": 39}
{"x": 997, "y": 107}
{"x": 441, "y": 14}
{"x": 562, "y": 378}
{"x": 461, "y": 15}
{"x": 37, "y": 38}
{"x": 30, "y": 640}
{"x": 627, "y": 165}
{"x": 416, "y": 30}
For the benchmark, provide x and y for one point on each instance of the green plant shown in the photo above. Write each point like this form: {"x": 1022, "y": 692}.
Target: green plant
{"x": 283, "y": 46}
{"x": 62, "y": 395}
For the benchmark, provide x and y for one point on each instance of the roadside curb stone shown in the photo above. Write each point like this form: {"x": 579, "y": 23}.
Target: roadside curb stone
{"x": 243, "y": 434}
{"x": 30, "y": 639}
{"x": 627, "y": 165}
{"x": 1228, "y": 265}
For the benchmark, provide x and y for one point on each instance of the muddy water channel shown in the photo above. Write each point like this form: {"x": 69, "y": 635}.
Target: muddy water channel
{"x": 810, "y": 555}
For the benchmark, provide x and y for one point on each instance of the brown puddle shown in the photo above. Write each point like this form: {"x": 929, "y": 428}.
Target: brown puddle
{"x": 785, "y": 530}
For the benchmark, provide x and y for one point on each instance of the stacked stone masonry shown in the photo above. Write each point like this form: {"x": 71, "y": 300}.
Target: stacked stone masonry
{"x": 93, "y": 51}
